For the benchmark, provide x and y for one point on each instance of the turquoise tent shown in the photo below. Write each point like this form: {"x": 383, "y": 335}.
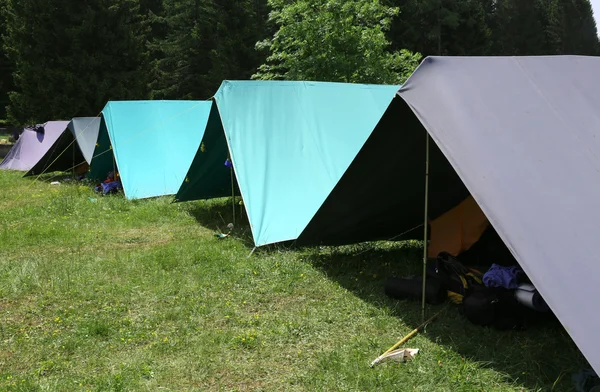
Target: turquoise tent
{"x": 289, "y": 143}
{"x": 153, "y": 142}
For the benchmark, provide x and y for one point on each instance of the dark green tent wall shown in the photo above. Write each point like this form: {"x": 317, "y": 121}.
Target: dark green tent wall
{"x": 290, "y": 143}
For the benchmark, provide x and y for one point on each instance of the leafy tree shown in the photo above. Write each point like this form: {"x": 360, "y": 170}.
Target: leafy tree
{"x": 72, "y": 56}
{"x": 333, "y": 40}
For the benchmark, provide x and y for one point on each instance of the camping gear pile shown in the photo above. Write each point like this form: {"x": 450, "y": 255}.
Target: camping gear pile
{"x": 111, "y": 185}
{"x": 502, "y": 297}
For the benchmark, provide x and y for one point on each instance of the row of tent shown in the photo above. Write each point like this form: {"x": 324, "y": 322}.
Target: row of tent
{"x": 332, "y": 163}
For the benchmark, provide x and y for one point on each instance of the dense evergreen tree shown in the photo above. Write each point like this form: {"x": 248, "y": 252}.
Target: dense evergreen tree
{"x": 333, "y": 40}
{"x": 66, "y": 58}
{"x": 207, "y": 41}
{"x": 72, "y": 56}
{"x": 571, "y": 27}
{"x": 5, "y": 66}
{"x": 446, "y": 27}
{"x": 519, "y": 28}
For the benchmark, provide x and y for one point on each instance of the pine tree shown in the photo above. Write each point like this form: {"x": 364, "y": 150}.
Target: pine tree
{"x": 571, "y": 27}
{"x": 207, "y": 41}
{"x": 71, "y": 56}
{"x": 5, "y": 65}
{"x": 519, "y": 28}
{"x": 446, "y": 27}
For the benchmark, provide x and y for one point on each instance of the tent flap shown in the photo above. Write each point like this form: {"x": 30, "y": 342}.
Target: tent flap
{"x": 208, "y": 177}
{"x": 85, "y": 130}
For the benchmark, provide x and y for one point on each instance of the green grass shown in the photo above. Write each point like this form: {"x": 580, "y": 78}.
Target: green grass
{"x": 104, "y": 294}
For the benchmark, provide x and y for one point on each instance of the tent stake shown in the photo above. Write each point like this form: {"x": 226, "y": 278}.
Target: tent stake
{"x": 425, "y": 226}
{"x": 407, "y": 337}
{"x": 251, "y": 252}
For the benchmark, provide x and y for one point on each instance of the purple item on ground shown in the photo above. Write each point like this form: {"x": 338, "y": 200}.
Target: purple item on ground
{"x": 32, "y": 146}
{"x": 108, "y": 187}
{"x": 499, "y": 276}
{"x": 228, "y": 163}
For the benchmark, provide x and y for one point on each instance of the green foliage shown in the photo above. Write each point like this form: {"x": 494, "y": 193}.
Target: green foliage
{"x": 571, "y": 27}
{"x": 68, "y": 58}
{"x": 519, "y": 28}
{"x": 140, "y": 296}
{"x": 444, "y": 27}
{"x": 71, "y": 57}
{"x": 502, "y": 27}
{"x": 206, "y": 42}
{"x": 6, "y": 83}
{"x": 334, "y": 40}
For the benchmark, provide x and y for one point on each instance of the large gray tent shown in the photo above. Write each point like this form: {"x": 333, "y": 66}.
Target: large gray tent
{"x": 523, "y": 135}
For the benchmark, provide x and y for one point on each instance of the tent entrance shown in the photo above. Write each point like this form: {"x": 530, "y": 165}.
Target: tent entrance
{"x": 209, "y": 177}
{"x": 103, "y": 160}
{"x": 381, "y": 197}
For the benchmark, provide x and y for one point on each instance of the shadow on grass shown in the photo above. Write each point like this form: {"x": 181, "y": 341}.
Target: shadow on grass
{"x": 543, "y": 357}
{"x": 217, "y": 214}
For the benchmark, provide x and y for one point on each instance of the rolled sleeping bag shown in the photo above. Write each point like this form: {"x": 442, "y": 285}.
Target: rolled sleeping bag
{"x": 528, "y": 295}
{"x": 412, "y": 288}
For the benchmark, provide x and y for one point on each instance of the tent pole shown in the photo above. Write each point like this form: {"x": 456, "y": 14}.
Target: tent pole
{"x": 232, "y": 193}
{"x": 425, "y": 225}
{"x": 73, "y": 165}
{"x": 114, "y": 164}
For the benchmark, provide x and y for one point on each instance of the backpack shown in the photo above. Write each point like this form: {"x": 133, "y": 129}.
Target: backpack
{"x": 455, "y": 278}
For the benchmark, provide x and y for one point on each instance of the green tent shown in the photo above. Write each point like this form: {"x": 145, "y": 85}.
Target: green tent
{"x": 150, "y": 143}
{"x": 289, "y": 142}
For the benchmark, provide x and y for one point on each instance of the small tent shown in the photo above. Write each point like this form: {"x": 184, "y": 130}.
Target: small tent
{"x": 150, "y": 144}
{"x": 72, "y": 150}
{"x": 32, "y": 145}
{"x": 289, "y": 144}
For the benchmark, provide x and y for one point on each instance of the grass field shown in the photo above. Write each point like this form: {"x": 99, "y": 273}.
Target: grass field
{"x": 103, "y": 294}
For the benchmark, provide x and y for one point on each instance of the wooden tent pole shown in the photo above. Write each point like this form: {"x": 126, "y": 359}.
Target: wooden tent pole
{"x": 425, "y": 226}
{"x": 232, "y": 192}
{"x": 114, "y": 164}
